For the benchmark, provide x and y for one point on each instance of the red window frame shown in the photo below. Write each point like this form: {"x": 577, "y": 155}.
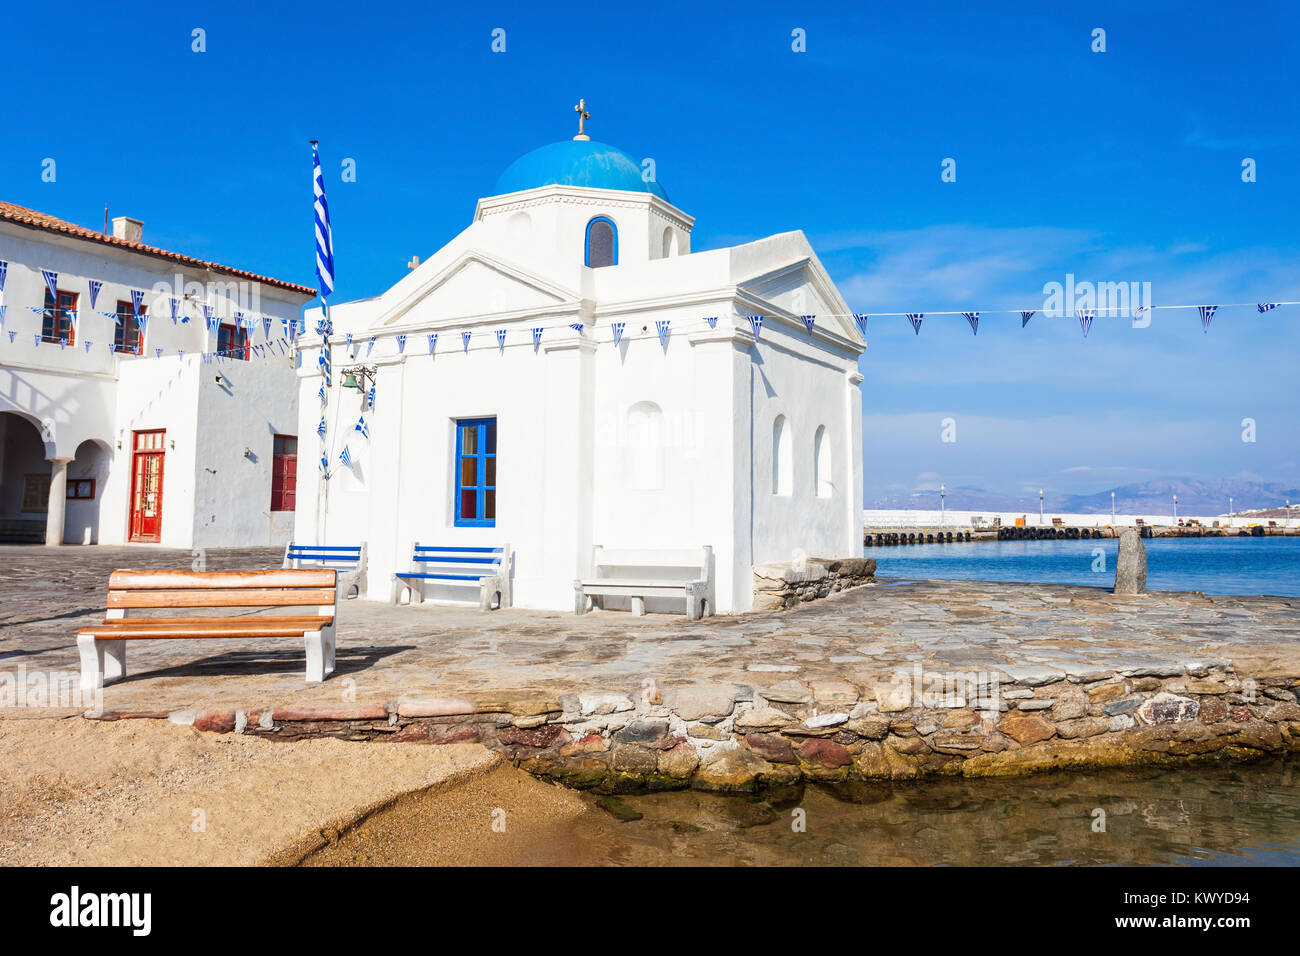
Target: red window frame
{"x": 284, "y": 473}
{"x": 56, "y": 323}
{"x": 126, "y": 334}
{"x": 232, "y": 341}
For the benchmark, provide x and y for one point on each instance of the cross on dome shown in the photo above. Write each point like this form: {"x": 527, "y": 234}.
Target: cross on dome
{"x": 583, "y": 115}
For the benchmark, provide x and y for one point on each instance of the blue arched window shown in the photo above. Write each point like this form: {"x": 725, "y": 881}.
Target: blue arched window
{"x": 602, "y": 243}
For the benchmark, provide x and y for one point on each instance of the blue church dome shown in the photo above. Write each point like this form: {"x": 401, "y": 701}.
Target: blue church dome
{"x": 577, "y": 163}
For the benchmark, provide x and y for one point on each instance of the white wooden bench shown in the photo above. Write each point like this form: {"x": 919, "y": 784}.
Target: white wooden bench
{"x": 349, "y": 560}
{"x": 484, "y": 567}
{"x": 648, "y": 573}
{"x": 103, "y": 646}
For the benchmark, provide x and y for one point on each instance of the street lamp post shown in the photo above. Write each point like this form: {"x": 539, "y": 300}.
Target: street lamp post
{"x": 1040, "y": 506}
{"x": 1175, "y": 509}
{"x": 943, "y": 493}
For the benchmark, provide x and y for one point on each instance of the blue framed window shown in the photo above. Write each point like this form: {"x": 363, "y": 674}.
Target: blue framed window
{"x": 602, "y": 243}
{"x": 476, "y": 472}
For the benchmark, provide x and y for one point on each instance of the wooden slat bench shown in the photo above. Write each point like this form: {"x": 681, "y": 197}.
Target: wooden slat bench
{"x": 349, "y": 560}
{"x": 647, "y": 573}
{"x": 103, "y": 646}
{"x": 484, "y": 567}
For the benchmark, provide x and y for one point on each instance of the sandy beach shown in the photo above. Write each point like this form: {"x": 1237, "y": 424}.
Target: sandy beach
{"x": 148, "y": 792}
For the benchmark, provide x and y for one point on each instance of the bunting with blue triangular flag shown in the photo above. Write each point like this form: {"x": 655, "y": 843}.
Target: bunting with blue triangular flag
{"x": 433, "y": 341}
{"x": 974, "y": 319}
{"x": 370, "y": 346}
{"x": 175, "y": 305}
{"x": 712, "y": 320}
{"x": 1085, "y": 320}
{"x": 661, "y": 325}
{"x": 348, "y": 343}
{"x": 617, "y": 328}
{"x": 266, "y": 327}
{"x": 464, "y": 338}
{"x": 1207, "y": 313}
{"x": 755, "y": 325}
{"x": 4, "y": 274}
{"x": 401, "y": 344}
{"x": 1025, "y": 317}
{"x": 210, "y": 319}
{"x": 363, "y": 427}
{"x": 577, "y": 327}
{"x": 95, "y": 286}
{"x": 537, "y": 337}
{"x": 1266, "y": 306}
{"x": 370, "y": 398}
{"x": 808, "y": 322}
{"x": 345, "y": 456}
{"x": 51, "y": 283}
{"x": 915, "y": 318}
{"x": 501, "y": 340}
{"x": 861, "y": 319}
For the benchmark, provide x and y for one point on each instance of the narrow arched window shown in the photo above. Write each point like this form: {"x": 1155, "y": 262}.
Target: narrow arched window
{"x": 822, "y": 464}
{"x": 602, "y": 243}
{"x": 782, "y": 463}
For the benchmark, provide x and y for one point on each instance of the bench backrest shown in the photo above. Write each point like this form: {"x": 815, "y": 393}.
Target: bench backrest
{"x": 480, "y": 560}
{"x": 668, "y": 563}
{"x": 346, "y": 555}
{"x": 312, "y": 587}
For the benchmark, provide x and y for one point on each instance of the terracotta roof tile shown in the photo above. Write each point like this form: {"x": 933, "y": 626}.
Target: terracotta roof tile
{"x": 39, "y": 220}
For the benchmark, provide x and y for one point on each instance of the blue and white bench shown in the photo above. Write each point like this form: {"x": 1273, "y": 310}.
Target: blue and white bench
{"x": 349, "y": 560}
{"x": 683, "y": 574}
{"x": 486, "y": 568}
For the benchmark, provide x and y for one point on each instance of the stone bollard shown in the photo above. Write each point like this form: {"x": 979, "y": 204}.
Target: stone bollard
{"x": 1131, "y": 565}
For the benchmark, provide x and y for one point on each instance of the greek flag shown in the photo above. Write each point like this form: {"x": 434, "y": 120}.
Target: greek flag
{"x": 209, "y": 319}
{"x": 618, "y": 327}
{"x": 433, "y": 341}
{"x": 321, "y": 396}
{"x": 72, "y": 316}
{"x": 662, "y": 326}
{"x": 1085, "y": 319}
{"x": 95, "y": 286}
{"x": 1207, "y": 313}
{"x": 63, "y": 343}
{"x": 3, "y": 310}
{"x": 974, "y": 319}
{"x": 346, "y": 457}
{"x": 401, "y": 344}
{"x": 370, "y": 346}
{"x": 266, "y": 327}
{"x": 577, "y": 327}
{"x": 363, "y": 427}
{"x": 137, "y": 296}
{"x": 324, "y": 234}
{"x": 370, "y": 397}
{"x": 537, "y": 337}
{"x": 808, "y": 321}
{"x": 324, "y": 466}
{"x": 1263, "y": 306}
{"x": 464, "y": 337}
{"x": 4, "y": 272}
{"x": 1026, "y": 316}
{"x": 915, "y": 318}
{"x": 861, "y": 319}
{"x": 157, "y": 353}
{"x": 51, "y": 283}
{"x": 88, "y": 344}
{"x": 349, "y": 343}
{"x": 323, "y": 363}
{"x": 176, "y": 309}
{"x": 11, "y": 336}
{"x": 501, "y": 339}
{"x": 755, "y": 324}
{"x": 712, "y": 320}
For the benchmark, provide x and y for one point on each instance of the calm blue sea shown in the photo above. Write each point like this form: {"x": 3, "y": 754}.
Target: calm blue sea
{"x": 1212, "y": 565}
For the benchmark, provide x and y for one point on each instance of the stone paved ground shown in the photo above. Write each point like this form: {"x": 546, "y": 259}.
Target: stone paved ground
{"x": 863, "y": 636}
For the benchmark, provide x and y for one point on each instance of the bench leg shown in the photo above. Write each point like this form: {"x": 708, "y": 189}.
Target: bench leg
{"x": 579, "y": 600}
{"x": 638, "y": 607}
{"x": 102, "y": 662}
{"x": 316, "y": 656}
{"x": 692, "y": 607}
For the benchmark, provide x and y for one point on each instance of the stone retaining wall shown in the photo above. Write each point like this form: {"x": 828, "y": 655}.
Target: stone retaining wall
{"x": 781, "y": 586}
{"x": 736, "y": 738}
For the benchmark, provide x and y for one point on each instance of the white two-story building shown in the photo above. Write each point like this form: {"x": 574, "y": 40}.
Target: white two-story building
{"x": 145, "y": 395}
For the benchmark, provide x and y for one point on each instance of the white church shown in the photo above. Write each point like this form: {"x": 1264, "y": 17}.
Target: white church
{"x": 567, "y": 373}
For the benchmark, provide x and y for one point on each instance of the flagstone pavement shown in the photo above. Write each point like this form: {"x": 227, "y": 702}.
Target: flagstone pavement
{"x": 863, "y": 636}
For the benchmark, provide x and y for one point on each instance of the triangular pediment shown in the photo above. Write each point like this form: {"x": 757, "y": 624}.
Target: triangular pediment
{"x": 803, "y": 288}
{"x": 473, "y": 284}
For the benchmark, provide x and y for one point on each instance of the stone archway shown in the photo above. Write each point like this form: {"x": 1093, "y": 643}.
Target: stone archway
{"x": 25, "y": 478}
{"x": 87, "y": 473}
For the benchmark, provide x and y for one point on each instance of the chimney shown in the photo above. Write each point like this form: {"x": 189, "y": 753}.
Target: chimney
{"x": 127, "y": 228}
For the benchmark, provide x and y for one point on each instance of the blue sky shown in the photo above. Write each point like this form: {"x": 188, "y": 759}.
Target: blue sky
{"x": 1116, "y": 167}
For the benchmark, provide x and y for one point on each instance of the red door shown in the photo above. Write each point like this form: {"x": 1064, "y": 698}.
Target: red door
{"x": 146, "y": 485}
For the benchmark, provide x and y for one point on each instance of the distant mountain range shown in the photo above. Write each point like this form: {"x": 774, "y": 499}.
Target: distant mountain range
{"x": 1195, "y": 497}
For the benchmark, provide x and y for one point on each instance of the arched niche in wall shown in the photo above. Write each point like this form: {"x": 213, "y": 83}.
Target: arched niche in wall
{"x": 822, "y": 464}
{"x": 782, "y": 458}
{"x": 645, "y": 449}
